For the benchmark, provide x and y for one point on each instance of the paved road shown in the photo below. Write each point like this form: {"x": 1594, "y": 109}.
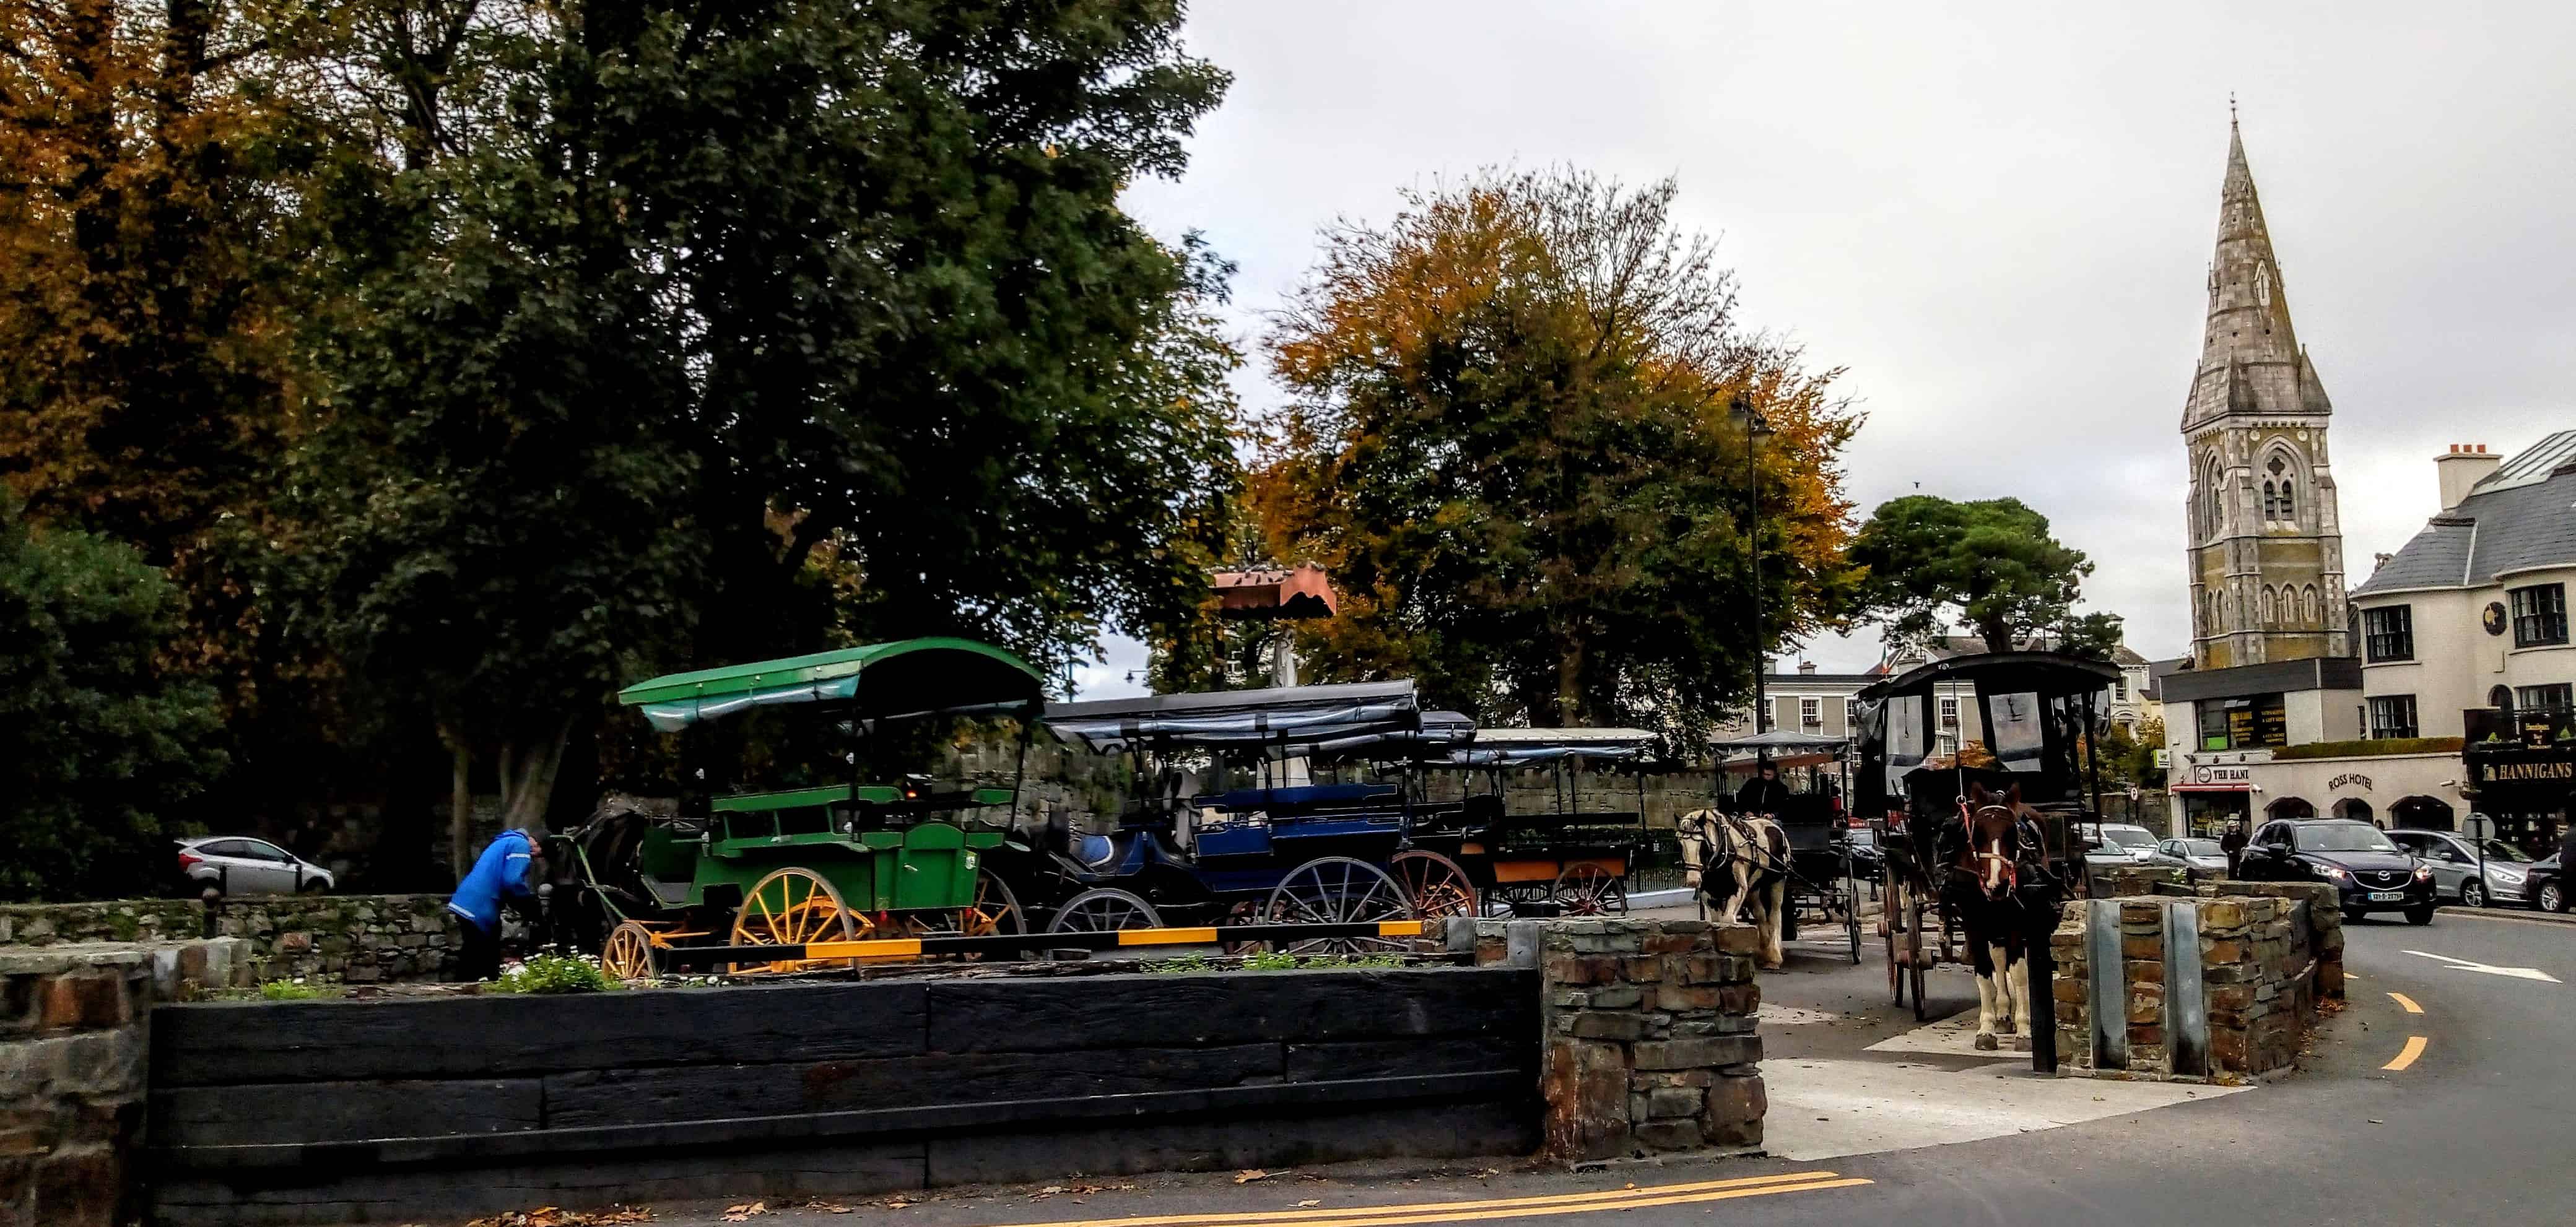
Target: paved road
{"x": 2473, "y": 1129}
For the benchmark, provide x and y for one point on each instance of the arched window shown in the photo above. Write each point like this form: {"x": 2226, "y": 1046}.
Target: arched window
{"x": 2501, "y": 698}
{"x": 2311, "y": 610}
{"x": 2280, "y": 491}
{"x": 2264, "y": 608}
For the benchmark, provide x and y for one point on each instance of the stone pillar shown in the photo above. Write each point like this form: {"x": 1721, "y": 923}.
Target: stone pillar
{"x": 72, "y": 1072}
{"x": 2267, "y": 952}
{"x": 1649, "y": 1025}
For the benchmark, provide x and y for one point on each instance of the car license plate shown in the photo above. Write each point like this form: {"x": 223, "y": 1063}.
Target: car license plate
{"x": 2387, "y": 896}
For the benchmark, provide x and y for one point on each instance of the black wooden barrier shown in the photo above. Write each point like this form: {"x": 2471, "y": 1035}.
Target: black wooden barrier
{"x": 398, "y": 1110}
{"x": 1388, "y": 931}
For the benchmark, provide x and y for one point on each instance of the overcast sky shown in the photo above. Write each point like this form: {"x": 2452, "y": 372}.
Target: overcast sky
{"x": 1997, "y": 218}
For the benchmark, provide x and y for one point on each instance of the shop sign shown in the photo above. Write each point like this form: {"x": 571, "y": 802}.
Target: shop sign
{"x": 2350, "y": 777}
{"x": 2222, "y": 775}
{"x": 2511, "y": 772}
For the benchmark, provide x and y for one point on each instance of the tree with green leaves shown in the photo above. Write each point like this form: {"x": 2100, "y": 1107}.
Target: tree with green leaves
{"x": 679, "y": 333}
{"x": 104, "y": 748}
{"x": 1511, "y": 441}
{"x": 1988, "y": 566}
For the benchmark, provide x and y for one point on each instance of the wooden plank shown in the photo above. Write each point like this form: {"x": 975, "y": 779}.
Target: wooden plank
{"x": 1456, "y": 1054}
{"x": 1269, "y": 1140}
{"x": 1104, "y": 1012}
{"x": 678, "y": 1093}
{"x": 335, "y": 1111}
{"x": 1114, "y": 1111}
{"x": 230, "y": 1043}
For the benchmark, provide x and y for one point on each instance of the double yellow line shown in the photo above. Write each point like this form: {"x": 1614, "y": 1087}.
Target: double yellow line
{"x": 1497, "y": 1208}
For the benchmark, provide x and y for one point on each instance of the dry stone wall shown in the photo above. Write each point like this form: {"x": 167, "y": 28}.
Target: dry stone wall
{"x": 73, "y": 1040}
{"x": 356, "y": 939}
{"x": 2265, "y": 955}
{"x": 1649, "y": 1030}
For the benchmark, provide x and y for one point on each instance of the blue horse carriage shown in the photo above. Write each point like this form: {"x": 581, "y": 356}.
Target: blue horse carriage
{"x": 1227, "y": 823}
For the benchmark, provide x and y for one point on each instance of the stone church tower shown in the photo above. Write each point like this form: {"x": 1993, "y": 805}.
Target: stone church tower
{"x": 2266, "y": 549}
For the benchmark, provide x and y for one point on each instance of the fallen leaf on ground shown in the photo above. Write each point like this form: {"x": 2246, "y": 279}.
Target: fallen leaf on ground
{"x": 1250, "y": 1174}
{"x": 745, "y": 1213}
{"x": 1311, "y": 1201}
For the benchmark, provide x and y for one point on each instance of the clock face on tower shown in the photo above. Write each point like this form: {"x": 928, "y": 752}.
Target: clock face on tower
{"x": 2494, "y": 617}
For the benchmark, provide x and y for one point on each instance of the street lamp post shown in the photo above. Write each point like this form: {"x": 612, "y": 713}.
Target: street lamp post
{"x": 1756, "y": 428}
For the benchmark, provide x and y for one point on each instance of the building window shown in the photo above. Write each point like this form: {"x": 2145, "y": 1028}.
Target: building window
{"x": 2120, "y": 689}
{"x": 2244, "y": 724}
{"x": 1949, "y": 713}
{"x": 2388, "y": 634}
{"x": 1811, "y": 713}
{"x": 2539, "y": 615}
{"x": 2546, "y": 698}
{"x": 2392, "y": 715}
{"x": 1851, "y": 713}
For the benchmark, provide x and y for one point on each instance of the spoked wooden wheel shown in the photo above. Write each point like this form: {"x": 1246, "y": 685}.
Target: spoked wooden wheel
{"x": 1590, "y": 890}
{"x": 995, "y": 911}
{"x": 1437, "y": 886}
{"x": 791, "y": 907}
{"x": 1339, "y": 890}
{"x": 1104, "y": 909}
{"x": 630, "y": 953}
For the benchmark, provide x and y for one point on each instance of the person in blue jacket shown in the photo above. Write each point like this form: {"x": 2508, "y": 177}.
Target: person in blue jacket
{"x": 507, "y": 869}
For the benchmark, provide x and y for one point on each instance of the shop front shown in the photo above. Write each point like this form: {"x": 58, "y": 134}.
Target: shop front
{"x": 2212, "y": 795}
{"x": 2525, "y": 789}
{"x": 2253, "y": 786}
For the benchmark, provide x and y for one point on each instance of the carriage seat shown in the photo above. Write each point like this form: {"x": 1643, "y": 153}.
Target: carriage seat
{"x": 1096, "y": 852}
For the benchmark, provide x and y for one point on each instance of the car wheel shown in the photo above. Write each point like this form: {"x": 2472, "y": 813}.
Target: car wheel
{"x": 2422, "y": 915}
{"x": 2472, "y": 895}
{"x": 2551, "y": 897}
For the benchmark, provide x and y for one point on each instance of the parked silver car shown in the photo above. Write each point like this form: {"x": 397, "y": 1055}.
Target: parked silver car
{"x": 240, "y": 865}
{"x": 2200, "y": 854}
{"x": 2117, "y": 844}
{"x": 2455, "y": 867}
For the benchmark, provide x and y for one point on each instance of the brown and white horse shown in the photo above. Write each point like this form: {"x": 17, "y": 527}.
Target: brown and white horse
{"x": 1749, "y": 858}
{"x": 1984, "y": 889}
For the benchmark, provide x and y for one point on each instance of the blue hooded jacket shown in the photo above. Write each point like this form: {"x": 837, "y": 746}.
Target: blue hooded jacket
{"x": 501, "y": 870}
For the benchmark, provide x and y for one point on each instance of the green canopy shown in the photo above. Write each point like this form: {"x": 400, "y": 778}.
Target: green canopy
{"x": 906, "y": 677}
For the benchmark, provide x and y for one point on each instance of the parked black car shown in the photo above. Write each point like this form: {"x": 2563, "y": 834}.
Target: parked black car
{"x": 2546, "y": 885}
{"x": 2368, "y": 870}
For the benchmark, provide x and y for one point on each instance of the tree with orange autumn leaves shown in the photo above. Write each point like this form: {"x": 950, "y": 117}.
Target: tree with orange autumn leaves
{"x": 1510, "y": 440}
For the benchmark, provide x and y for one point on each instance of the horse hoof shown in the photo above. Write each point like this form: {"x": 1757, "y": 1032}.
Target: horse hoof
{"x": 1986, "y": 1042}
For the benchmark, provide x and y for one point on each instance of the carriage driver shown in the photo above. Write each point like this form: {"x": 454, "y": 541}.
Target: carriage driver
{"x": 1764, "y": 793}
{"x": 505, "y": 870}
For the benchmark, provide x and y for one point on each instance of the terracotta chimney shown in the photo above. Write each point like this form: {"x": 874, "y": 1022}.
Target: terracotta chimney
{"x": 2465, "y": 465}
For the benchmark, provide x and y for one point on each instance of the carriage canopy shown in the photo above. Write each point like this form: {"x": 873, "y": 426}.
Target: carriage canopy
{"x": 2018, "y": 720}
{"x": 1530, "y": 747}
{"x": 876, "y": 681}
{"x": 1292, "y": 719}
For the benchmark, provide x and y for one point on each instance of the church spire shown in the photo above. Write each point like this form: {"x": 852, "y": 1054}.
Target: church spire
{"x": 2248, "y": 323}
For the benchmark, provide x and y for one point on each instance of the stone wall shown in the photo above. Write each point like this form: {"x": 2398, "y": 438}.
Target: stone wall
{"x": 73, "y": 1039}
{"x": 359, "y": 939}
{"x": 2236, "y": 1005}
{"x": 1649, "y": 1026}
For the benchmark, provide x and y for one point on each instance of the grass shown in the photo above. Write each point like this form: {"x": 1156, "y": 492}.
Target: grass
{"x": 555, "y": 973}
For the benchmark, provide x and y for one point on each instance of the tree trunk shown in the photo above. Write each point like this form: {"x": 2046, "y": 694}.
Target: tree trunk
{"x": 460, "y": 804}
{"x": 528, "y": 777}
{"x": 1569, "y": 682}
{"x": 1997, "y": 634}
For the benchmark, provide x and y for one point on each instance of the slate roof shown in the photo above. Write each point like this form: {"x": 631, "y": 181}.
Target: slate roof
{"x": 2522, "y": 515}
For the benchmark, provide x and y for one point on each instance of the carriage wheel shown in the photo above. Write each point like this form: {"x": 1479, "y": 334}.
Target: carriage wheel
{"x": 1104, "y": 909}
{"x": 1339, "y": 890}
{"x": 791, "y": 907}
{"x": 629, "y": 954}
{"x": 1589, "y": 890}
{"x": 1437, "y": 886}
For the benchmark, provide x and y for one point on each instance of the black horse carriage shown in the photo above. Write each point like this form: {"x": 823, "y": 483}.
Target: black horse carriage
{"x": 2009, "y": 723}
{"x": 1822, "y": 881}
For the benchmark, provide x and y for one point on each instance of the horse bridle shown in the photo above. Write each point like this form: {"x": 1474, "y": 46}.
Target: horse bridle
{"x": 2010, "y": 859}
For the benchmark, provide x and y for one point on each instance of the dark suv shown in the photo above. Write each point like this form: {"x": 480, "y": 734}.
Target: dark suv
{"x": 2368, "y": 870}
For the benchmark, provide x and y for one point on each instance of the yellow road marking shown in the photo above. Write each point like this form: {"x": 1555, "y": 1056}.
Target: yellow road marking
{"x": 1166, "y": 937}
{"x": 2406, "y": 1056}
{"x": 2408, "y": 1002}
{"x": 1507, "y": 1207}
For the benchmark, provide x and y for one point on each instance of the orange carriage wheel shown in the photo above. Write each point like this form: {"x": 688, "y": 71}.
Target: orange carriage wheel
{"x": 791, "y": 907}
{"x": 631, "y": 952}
{"x": 1588, "y": 889}
{"x": 1439, "y": 888}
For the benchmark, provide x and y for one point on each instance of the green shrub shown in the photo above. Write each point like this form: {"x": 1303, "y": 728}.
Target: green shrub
{"x": 2368, "y": 747}
{"x": 294, "y": 990}
{"x": 554, "y": 973}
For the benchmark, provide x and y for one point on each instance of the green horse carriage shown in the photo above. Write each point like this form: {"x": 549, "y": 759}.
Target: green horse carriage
{"x": 824, "y": 862}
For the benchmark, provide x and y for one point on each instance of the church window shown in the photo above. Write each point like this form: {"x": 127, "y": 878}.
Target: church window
{"x": 2280, "y": 492}
{"x": 2265, "y": 608}
{"x": 2310, "y": 608}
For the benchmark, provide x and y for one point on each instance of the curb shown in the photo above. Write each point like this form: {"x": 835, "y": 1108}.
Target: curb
{"x": 1660, "y": 898}
{"x": 2532, "y": 915}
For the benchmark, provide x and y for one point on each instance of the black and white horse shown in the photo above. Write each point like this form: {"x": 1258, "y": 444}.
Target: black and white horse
{"x": 1747, "y": 858}
{"x": 1983, "y": 889}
